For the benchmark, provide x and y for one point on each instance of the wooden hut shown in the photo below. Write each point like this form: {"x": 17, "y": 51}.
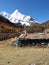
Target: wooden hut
{"x": 34, "y": 39}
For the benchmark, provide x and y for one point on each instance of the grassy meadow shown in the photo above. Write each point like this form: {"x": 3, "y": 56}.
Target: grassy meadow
{"x": 24, "y": 56}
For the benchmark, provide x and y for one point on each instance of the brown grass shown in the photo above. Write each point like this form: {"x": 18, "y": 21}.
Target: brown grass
{"x": 24, "y": 56}
{"x": 7, "y": 42}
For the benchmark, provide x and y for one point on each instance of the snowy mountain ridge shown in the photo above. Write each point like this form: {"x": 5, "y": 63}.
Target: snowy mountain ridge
{"x": 17, "y": 17}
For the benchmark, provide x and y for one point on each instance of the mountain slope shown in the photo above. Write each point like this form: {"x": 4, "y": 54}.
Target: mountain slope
{"x": 7, "y": 26}
{"x": 17, "y": 17}
{"x": 38, "y": 27}
{"x": 35, "y": 28}
{"x": 46, "y": 24}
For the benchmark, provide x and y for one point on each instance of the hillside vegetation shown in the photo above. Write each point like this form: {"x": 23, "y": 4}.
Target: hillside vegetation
{"x": 38, "y": 27}
{"x": 35, "y": 28}
{"x": 46, "y": 24}
{"x": 6, "y": 26}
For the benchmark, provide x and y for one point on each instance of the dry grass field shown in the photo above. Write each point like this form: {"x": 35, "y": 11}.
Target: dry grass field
{"x": 10, "y": 55}
{"x": 24, "y": 56}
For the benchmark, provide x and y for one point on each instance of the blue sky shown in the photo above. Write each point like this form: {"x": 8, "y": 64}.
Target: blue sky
{"x": 39, "y": 9}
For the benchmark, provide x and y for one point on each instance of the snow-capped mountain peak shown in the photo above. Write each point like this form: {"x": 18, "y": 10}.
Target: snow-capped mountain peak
{"x": 16, "y": 14}
{"x": 17, "y": 17}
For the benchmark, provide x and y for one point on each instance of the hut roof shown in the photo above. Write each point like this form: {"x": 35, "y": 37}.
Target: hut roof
{"x": 46, "y": 31}
{"x": 34, "y": 36}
